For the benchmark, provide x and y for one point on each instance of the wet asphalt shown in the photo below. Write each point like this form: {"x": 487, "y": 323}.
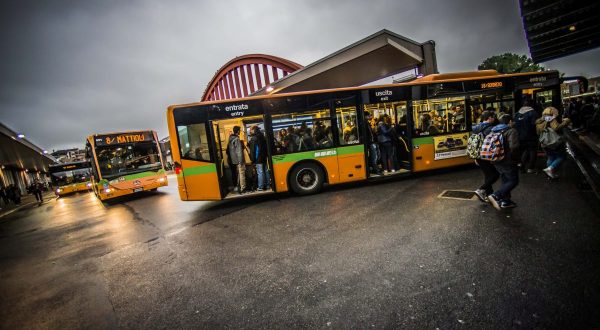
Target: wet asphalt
{"x": 385, "y": 255}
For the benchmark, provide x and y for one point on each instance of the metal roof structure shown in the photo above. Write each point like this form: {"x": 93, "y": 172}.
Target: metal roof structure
{"x": 375, "y": 57}
{"x": 557, "y": 28}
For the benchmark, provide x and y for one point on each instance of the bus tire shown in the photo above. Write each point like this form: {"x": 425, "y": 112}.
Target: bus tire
{"x": 306, "y": 179}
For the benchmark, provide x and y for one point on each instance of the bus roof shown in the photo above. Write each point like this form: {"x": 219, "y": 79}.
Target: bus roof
{"x": 433, "y": 78}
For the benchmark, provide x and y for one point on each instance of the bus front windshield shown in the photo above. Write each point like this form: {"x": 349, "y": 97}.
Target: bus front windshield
{"x": 69, "y": 177}
{"x": 119, "y": 160}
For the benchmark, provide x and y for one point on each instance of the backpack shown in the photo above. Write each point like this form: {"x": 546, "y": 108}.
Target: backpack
{"x": 474, "y": 145}
{"x": 550, "y": 139}
{"x": 492, "y": 148}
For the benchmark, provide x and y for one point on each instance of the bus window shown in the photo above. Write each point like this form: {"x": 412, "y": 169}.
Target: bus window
{"x": 439, "y": 116}
{"x": 347, "y": 125}
{"x": 302, "y": 131}
{"x": 496, "y": 102}
{"x": 193, "y": 142}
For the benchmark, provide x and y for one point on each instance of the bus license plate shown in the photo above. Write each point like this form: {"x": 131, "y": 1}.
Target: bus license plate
{"x": 138, "y": 189}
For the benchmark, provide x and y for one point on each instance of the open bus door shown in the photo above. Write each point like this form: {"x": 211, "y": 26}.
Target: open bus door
{"x": 195, "y": 160}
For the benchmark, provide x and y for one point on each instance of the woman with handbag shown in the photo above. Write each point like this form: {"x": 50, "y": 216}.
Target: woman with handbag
{"x": 547, "y": 128}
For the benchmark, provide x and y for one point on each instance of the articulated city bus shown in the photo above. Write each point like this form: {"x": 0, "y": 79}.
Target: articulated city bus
{"x": 432, "y": 118}
{"x": 125, "y": 163}
{"x": 70, "y": 177}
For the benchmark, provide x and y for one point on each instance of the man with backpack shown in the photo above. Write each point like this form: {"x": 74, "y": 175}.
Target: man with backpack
{"x": 490, "y": 174}
{"x": 235, "y": 151}
{"x": 502, "y": 147}
{"x": 525, "y": 120}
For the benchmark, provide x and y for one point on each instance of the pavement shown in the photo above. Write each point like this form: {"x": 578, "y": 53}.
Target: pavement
{"x": 385, "y": 255}
{"x": 26, "y": 201}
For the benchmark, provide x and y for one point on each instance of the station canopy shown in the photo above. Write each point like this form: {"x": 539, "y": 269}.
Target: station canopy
{"x": 19, "y": 153}
{"x": 557, "y": 28}
{"x": 378, "y": 56}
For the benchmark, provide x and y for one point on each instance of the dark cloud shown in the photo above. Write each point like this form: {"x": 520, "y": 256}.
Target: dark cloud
{"x": 71, "y": 68}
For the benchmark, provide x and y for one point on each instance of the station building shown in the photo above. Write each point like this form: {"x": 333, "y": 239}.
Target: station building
{"x": 21, "y": 161}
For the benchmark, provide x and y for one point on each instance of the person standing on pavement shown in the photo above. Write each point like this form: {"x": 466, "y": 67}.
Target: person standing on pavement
{"x": 36, "y": 189}
{"x": 507, "y": 167}
{"x": 525, "y": 120}
{"x": 236, "y": 154}
{"x": 3, "y": 195}
{"x": 555, "y": 155}
{"x": 490, "y": 174}
{"x": 258, "y": 155}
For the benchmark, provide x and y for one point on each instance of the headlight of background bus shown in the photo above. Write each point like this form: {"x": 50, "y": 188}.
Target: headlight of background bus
{"x": 161, "y": 180}
{"x": 58, "y": 190}
{"x": 89, "y": 185}
{"x": 107, "y": 190}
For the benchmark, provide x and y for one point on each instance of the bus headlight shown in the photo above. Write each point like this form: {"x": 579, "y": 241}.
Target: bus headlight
{"x": 161, "y": 180}
{"x": 89, "y": 185}
{"x": 107, "y": 190}
{"x": 58, "y": 190}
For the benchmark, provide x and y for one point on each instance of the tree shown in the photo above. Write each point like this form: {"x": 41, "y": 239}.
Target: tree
{"x": 510, "y": 63}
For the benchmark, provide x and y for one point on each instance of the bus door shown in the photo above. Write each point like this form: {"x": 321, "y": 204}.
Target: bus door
{"x": 395, "y": 113}
{"x": 197, "y": 176}
{"x": 219, "y": 159}
{"x": 228, "y": 174}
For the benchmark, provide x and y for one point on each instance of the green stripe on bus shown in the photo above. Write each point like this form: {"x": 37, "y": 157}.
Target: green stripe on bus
{"x": 354, "y": 149}
{"x": 202, "y": 169}
{"x": 423, "y": 140}
{"x": 138, "y": 175}
{"x": 315, "y": 154}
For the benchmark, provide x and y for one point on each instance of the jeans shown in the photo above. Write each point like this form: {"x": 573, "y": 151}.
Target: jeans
{"x": 241, "y": 176}
{"x": 555, "y": 157}
{"x": 387, "y": 155}
{"x": 509, "y": 175}
{"x": 260, "y": 172}
{"x": 490, "y": 175}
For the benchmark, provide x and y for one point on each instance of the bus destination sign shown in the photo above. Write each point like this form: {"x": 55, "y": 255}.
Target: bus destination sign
{"x": 106, "y": 140}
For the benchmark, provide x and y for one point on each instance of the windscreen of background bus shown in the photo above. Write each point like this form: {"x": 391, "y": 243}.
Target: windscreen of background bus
{"x": 64, "y": 178}
{"x": 123, "y": 159}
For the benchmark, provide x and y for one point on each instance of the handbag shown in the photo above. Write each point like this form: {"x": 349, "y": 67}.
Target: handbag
{"x": 551, "y": 139}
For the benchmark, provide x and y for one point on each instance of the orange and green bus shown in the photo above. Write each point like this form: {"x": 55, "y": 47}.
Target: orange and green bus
{"x": 431, "y": 116}
{"x": 125, "y": 163}
{"x": 71, "y": 177}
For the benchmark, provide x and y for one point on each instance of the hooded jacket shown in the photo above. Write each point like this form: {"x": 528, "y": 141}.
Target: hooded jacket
{"x": 234, "y": 150}
{"x": 525, "y": 121}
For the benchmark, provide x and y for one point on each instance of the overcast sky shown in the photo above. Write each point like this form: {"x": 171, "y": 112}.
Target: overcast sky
{"x": 71, "y": 68}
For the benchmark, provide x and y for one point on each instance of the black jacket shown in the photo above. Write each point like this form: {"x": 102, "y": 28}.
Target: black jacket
{"x": 257, "y": 147}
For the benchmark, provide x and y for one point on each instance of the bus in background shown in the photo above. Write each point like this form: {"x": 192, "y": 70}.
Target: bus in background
{"x": 70, "y": 177}
{"x": 125, "y": 163}
{"x": 323, "y": 137}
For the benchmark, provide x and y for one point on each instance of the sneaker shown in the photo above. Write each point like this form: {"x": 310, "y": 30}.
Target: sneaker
{"x": 531, "y": 171}
{"x": 260, "y": 189}
{"x": 549, "y": 172}
{"x": 482, "y": 195}
{"x": 393, "y": 171}
{"x": 494, "y": 200}
{"x": 507, "y": 204}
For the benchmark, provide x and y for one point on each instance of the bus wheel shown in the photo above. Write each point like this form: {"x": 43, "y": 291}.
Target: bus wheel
{"x": 306, "y": 179}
